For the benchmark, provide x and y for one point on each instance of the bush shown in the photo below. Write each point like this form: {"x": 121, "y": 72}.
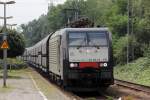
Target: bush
{"x": 147, "y": 54}
{"x": 147, "y": 51}
{"x": 118, "y": 24}
{"x": 13, "y": 63}
{"x": 120, "y": 50}
{"x": 143, "y": 31}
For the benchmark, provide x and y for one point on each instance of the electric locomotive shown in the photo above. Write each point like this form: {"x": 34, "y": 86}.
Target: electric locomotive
{"x": 88, "y": 58}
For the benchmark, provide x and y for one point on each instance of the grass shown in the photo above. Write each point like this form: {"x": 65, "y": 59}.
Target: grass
{"x": 110, "y": 98}
{"x": 91, "y": 99}
{"x": 13, "y": 74}
{"x": 137, "y": 71}
{"x": 13, "y": 71}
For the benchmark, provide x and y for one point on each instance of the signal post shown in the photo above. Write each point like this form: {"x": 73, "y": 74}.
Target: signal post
{"x": 4, "y": 45}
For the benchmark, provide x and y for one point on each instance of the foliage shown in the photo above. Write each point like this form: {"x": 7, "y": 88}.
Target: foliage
{"x": 116, "y": 17}
{"x": 118, "y": 24}
{"x": 143, "y": 31}
{"x": 137, "y": 71}
{"x": 96, "y": 11}
{"x": 109, "y": 98}
{"x": 55, "y": 18}
{"x": 16, "y": 44}
{"x": 14, "y": 63}
{"x": 122, "y": 6}
{"x": 147, "y": 54}
{"x": 120, "y": 49}
{"x": 36, "y": 30}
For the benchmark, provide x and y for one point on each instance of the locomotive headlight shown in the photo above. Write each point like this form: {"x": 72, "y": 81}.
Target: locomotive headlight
{"x": 73, "y": 65}
{"x": 105, "y": 64}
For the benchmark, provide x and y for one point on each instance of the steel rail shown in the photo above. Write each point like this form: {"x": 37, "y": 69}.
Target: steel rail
{"x": 134, "y": 86}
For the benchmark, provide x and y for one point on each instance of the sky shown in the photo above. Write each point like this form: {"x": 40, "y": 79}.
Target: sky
{"x": 24, "y": 11}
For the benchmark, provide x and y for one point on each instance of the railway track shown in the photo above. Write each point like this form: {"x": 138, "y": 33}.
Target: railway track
{"x": 92, "y": 95}
{"x": 104, "y": 95}
{"x": 133, "y": 86}
{"x": 124, "y": 85}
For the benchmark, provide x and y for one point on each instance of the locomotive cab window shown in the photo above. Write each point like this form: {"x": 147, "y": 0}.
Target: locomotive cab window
{"x": 77, "y": 39}
{"x": 88, "y": 39}
{"x": 97, "y": 39}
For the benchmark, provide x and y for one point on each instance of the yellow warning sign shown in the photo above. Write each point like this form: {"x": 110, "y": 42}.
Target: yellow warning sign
{"x": 5, "y": 45}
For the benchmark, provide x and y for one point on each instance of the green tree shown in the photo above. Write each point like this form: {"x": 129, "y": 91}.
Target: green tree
{"x": 35, "y": 30}
{"x": 16, "y": 44}
{"x": 55, "y": 18}
{"x": 120, "y": 49}
{"x": 116, "y": 17}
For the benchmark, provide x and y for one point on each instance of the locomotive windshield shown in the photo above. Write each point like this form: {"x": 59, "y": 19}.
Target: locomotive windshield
{"x": 87, "y": 39}
{"x": 76, "y": 39}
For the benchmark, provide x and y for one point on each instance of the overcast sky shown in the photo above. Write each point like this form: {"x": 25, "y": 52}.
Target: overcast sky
{"x": 24, "y": 11}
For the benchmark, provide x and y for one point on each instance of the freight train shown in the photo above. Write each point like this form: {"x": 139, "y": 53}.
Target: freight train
{"x": 79, "y": 59}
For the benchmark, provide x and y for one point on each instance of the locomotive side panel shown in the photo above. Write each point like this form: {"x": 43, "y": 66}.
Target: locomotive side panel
{"x": 54, "y": 55}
